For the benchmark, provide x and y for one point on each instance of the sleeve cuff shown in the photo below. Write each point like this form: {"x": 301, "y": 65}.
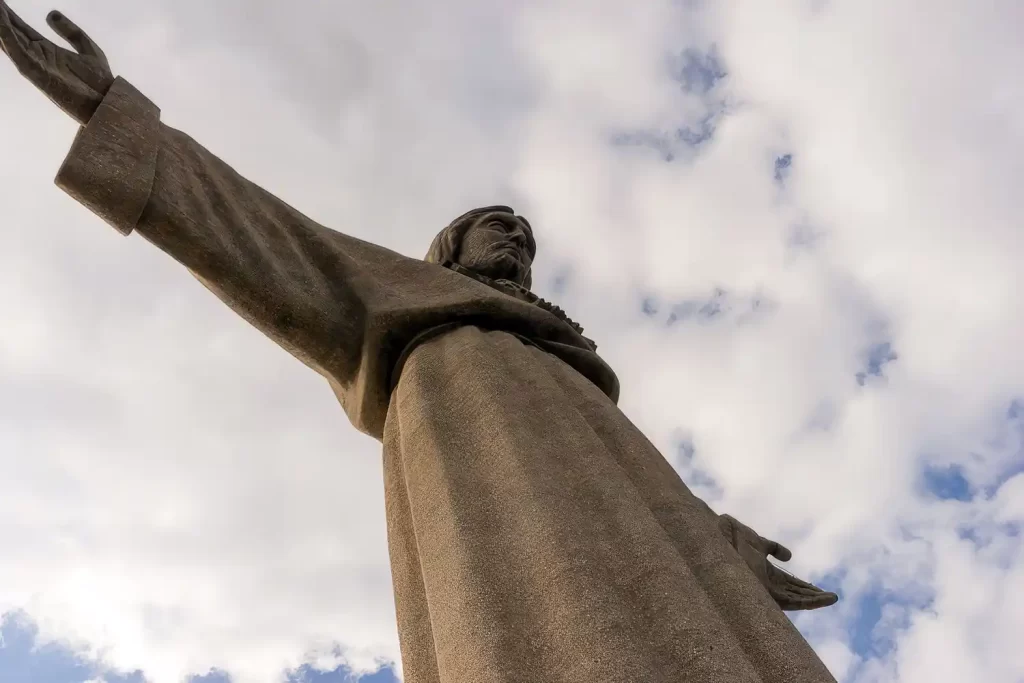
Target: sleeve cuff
{"x": 112, "y": 162}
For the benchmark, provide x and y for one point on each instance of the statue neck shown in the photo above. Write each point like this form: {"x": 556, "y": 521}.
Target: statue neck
{"x": 520, "y": 292}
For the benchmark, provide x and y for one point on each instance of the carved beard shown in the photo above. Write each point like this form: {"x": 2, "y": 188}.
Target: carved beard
{"x": 503, "y": 265}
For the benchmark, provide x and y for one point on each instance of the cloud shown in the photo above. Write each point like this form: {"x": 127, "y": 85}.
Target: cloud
{"x": 24, "y": 659}
{"x": 793, "y": 229}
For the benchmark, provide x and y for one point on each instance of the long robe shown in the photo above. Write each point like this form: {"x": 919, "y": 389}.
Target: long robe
{"x": 535, "y": 534}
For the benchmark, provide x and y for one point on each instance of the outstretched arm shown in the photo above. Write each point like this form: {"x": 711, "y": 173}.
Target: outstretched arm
{"x": 306, "y": 287}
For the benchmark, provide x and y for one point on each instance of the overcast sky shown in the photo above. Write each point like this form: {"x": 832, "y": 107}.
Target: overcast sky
{"x": 793, "y": 228}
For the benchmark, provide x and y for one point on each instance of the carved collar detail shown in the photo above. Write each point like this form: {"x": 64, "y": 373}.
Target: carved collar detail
{"x": 517, "y": 291}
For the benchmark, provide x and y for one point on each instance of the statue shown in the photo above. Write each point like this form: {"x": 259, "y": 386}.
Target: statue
{"x": 534, "y": 533}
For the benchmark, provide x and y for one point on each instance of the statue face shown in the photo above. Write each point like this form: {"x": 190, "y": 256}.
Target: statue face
{"x": 496, "y": 246}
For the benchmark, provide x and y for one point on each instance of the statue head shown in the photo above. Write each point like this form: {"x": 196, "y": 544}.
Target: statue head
{"x": 491, "y": 241}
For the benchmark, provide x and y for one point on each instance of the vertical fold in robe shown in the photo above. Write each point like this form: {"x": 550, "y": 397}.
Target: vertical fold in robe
{"x": 537, "y": 535}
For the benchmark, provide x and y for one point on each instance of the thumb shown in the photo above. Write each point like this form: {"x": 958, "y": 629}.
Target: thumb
{"x": 779, "y": 551}
{"x": 79, "y": 39}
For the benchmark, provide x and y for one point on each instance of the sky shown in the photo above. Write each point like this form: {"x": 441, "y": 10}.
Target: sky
{"x": 792, "y": 228}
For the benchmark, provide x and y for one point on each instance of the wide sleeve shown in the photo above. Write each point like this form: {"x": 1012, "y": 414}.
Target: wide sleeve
{"x": 306, "y": 287}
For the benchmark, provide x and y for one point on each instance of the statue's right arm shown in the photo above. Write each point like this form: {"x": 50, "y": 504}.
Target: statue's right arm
{"x": 306, "y": 287}
{"x": 303, "y": 285}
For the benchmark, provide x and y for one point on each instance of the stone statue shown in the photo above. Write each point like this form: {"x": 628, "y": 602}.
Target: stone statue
{"x": 535, "y": 534}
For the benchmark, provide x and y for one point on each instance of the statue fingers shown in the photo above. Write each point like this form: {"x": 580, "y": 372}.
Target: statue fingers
{"x": 800, "y": 583}
{"x": 801, "y": 591}
{"x": 18, "y": 46}
{"x": 19, "y": 25}
{"x": 795, "y": 602}
{"x": 79, "y": 39}
{"x": 785, "y": 583}
{"x": 779, "y": 551}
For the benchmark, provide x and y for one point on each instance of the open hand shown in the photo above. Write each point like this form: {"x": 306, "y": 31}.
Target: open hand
{"x": 76, "y": 80}
{"x": 788, "y": 591}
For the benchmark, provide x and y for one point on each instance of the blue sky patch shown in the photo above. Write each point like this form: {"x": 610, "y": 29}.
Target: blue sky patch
{"x": 23, "y": 660}
{"x": 697, "y": 71}
{"x": 878, "y": 356}
{"x": 699, "y": 133}
{"x": 861, "y": 630}
{"x": 307, "y": 674}
{"x": 946, "y": 483}
{"x": 879, "y": 614}
{"x": 682, "y": 142}
{"x": 783, "y": 165}
{"x": 704, "y": 310}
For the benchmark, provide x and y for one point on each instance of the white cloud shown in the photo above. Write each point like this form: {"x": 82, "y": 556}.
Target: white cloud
{"x": 179, "y": 495}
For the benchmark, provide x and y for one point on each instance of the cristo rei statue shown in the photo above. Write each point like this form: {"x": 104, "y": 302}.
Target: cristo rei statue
{"x": 535, "y": 534}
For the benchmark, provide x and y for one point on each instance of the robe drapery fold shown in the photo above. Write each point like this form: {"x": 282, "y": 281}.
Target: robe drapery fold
{"x": 535, "y": 534}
